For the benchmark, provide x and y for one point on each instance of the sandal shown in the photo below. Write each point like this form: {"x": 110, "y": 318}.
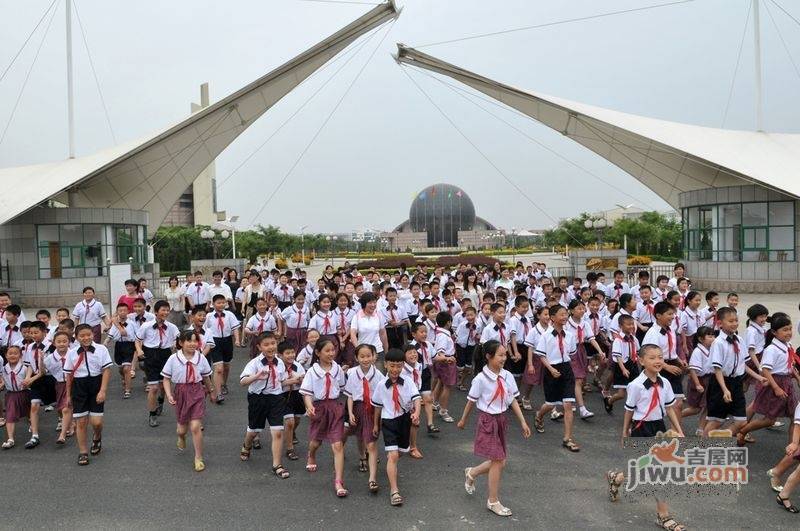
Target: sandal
{"x": 61, "y": 440}
{"x": 97, "y": 446}
{"x": 8, "y": 444}
{"x": 614, "y": 483}
{"x": 291, "y": 455}
{"x": 772, "y": 478}
{"x": 433, "y": 429}
{"x": 341, "y": 492}
{"x": 362, "y": 465}
{"x": 83, "y": 459}
{"x": 570, "y": 445}
{"x": 469, "y": 481}
{"x": 33, "y": 443}
{"x": 126, "y": 394}
{"x": 373, "y": 486}
{"x": 395, "y": 499}
{"x": 244, "y": 453}
{"x": 311, "y": 466}
{"x": 668, "y": 523}
{"x": 783, "y": 501}
{"x": 70, "y": 432}
{"x": 538, "y": 424}
{"x": 748, "y": 438}
{"x": 199, "y": 465}
{"x": 257, "y": 444}
{"x": 414, "y": 453}
{"x": 608, "y": 404}
{"x": 526, "y": 404}
{"x": 445, "y": 416}
{"x": 181, "y": 444}
{"x": 498, "y": 508}
{"x": 280, "y": 471}
{"x": 2, "y": 421}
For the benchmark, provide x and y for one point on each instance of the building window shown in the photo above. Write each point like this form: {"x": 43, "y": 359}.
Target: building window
{"x": 740, "y": 232}
{"x": 80, "y": 251}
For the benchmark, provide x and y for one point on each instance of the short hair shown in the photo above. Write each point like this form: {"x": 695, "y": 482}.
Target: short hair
{"x": 723, "y": 312}
{"x": 68, "y": 323}
{"x": 14, "y": 309}
{"x": 647, "y": 349}
{"x": 198, "y": 272}
{"x": 443, "y": 319}
{"x": 520, "y": 300}
{"x": 574, "y": 303}
{"x": 390, "y": 289}
{"x": 619, "y": 272}
{"x": 83, "y": 326}
{"x": 217, "y": 297}
{"x": 199, "y": 308}
{"x": 25, "y": 325}
{"x": 643, "y": 273}
{"x": 625, "y": 299}
{"x": 624, "y": 319}
{"x": 679, "y": 265}
{"x": 283, "y": 346}
{"x": 395, "y": 354}
{"x": 647, "y": 287}
{"x": 264, "y": 335}
{"x": 43, "y": 312}
{"x": 159, "y": 305}
{"x": 38, "y": 325}
{"x": 141, "y": 301}
{"x": 704, "y": 331}
{"x": 496, "y": 306}
{"x": 216, "y": 273}
{"x": 711, "y": 294}
{"x": 122, "y": 305}
{"x": 416, "y": 326}
{"x": 732, "y": 294}
{"x": 662, "y": 308}
{"x": 659, "y": 278}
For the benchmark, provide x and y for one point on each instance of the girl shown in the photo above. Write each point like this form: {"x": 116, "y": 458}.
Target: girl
{"x": 699, "y": 371}
{"x": 189, "y": 370}
{"x": 582, "y": 331}
{"x": 533, "y": 366}
{"x": 429, "y": 314}
{"x": 18, "y": 402}
{"x": 485, "y": 315}
{"x": 625, "y": 355}
{"x": 306, "y": 356}
{"x": 368, "y": 326}
{"x": 295, "y": 409}
{"x": 755, "y": 338}
{"x": 413, "y": 369}
{"x": 174, "y": 295}
{"x": 275, "y": 312}
{"x": 690, "y": 321}
{"x": 776, "y": 398}
{"x": 262, "y": 321}
{"x": 323, "y": 321}
{"x": 360, "y": 388}
{"x": 342, "y": 317}
{"x": 54, "y": 364}
{"x": 493, "y": 390}
{"x": 471, "y": 289}
{"x": 321, "y": 387}
{"x": 296, "y": 319}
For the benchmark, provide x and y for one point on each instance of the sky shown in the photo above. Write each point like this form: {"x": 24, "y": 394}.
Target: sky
{"x": 385, "y": 141}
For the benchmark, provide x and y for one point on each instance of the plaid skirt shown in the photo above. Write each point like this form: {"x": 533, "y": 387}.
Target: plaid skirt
{"x": 490, "y": 436}
{"x": 446, "y": 372}
{"x": 61, "y": 395}
{"x": 693, "y": 397}
{"x": 768, "y": 404}
{"x": 297, "y": 337}
{"x": 347, "y": 353}
{"x": 364, "y": 423}
{"x": 536, "y": 377}
{"x": 327, "y": 424}
{"x": 190, "y": 402}
{"x": 18, "y": 405}
{"x": 579, "y": 362}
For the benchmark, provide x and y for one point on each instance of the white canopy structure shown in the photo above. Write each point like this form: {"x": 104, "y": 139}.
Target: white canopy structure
{"x": 151, "y": 173}
{"x": 667, "y": 157}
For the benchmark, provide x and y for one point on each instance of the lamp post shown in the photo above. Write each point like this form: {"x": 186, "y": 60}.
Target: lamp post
{"x": 211, "y": 236}
{"x": 303, "y": 243}
{"x": 228, "y": 225}
{"x": 514, "y": 245}
{"x": 598, "y": 225}
{"x": 332, "y": 241}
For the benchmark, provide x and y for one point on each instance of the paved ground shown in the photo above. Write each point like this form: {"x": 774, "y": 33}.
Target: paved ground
{"x": 140, "y": 480}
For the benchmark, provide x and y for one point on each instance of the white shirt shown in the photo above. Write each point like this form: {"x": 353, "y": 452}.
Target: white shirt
{"x": 644, "y": 312}
{"x": 271, "y": 375}
{"x": 96, "y": 360}
{"x": 663, "y": 341}
{"x": 776, "y": 357}
{"x": 492, "y": 331}
{"x": 615, "y": 291}
{"x": 314, "y": 382}
{"x": 724, "y": 356}
{"x": 556, "y": 352}
{"x": 259, "y": 324}
{"x": 220, "y": 324}
{"x": 383, "y": 397}
{"x": 295, "y": 317}
{"x": 19, "y": 375}
{"x": 398, "y": 312}
{"x": 292, "y": 371}
{"x": 467, "y": 335}
{"x": 519, "y": 327}
{"x": 177, "y": 368}
{"x": 305, "y": 356}
{"x": 91, "y": 313}
{"x": 582, "y": 331}
{"x": 640, "y": 397}
{"x": 115, "y": 334}
{"x": 755, "y": 337}
{"x": 323, "y": 322}
{"x": 624, "y": 347}
{"x": 173, "y": 297}
{"x": 690, "y": 322}
{"x": 413, "y": 373}
{"x": 700, "y": 361}
{"x": 153, "y": 336}
{"x": 283, "y": 293}
{"x": 54, "y": 364}
{"x": 443, "y": 342}
{"x": 534, "y": 334}
{"x": 368, "y": 328}
{"x": 343, "y": 318}
{"x": 197, "y": 293}
{"x": 354, "y": 388}
{"x": 425, "y": 352}
{"x": 488, "y": 395}
{"x": 223, "y": 289}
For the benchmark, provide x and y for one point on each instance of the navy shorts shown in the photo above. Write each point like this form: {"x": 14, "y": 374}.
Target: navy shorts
{"x": 222, "y": 351}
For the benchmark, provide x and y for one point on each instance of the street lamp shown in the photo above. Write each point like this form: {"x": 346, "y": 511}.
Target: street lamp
{"x": 211, "y": 236}
{"x": 303, "y": 243}
{"x": 225, "y": 225}
{"x": 598, "y": 225}
{"x": 514, "y": 245}
{"x": 331, "y": 241}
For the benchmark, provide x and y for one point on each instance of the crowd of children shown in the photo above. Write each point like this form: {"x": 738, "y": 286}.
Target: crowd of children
{"x": 397, "y": 345}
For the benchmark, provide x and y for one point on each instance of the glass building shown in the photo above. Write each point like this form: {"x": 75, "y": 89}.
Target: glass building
{"x": 442, "y": 210}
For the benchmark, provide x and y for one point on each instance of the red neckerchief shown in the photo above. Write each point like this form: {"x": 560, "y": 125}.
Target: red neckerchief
{"x": 500, "y": 392}
{"x": 654, "y": 400}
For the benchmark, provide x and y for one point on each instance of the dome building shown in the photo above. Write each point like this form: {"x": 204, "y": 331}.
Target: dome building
{"x": 442, "y": 216}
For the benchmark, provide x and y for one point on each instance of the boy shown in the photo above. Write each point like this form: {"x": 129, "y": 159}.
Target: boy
{"x": 518, "y": 325}
{"x": 397, "y": 404}
{"x": 197, "y": 291}
{"x": 662, "y": 288}
{"x": 709, "y": 313}
{"x": 644, "y": 313}
{"x": 61, "y": 314}
{"x": 467, "y": 336}
{"x": 662, "y": 335}
{"x": 87, "y": 371}
{"x": 396, "y": 318}
{"x": 444, "y": 364}
{"x": 733, "y": 300}
{"x": 155, "y": 343}
{"x": 283, "y": 292}
{"x": 218, "y": 288}
{"x": 649, "y": 398}
{"x": 625, "y": 356}
{"x": 295, "y": 409}
{"x": 5, "y": 303}
{"x": 11, "y": 332}
{"x": 123, "y": 334}
{"x": 725, "y": 394}
{"x": 262, "y": 321}
{"x": 222, "y": 331}
{"x": 615, "y": 290}
{"x": 264, "y": 377}
{"x": 91, "y": 311}
{"x": 44, "y": 316}
{"x": 41, "y": 393}
{"x": 644, "y": 280}
{"x": 419, "y": 334}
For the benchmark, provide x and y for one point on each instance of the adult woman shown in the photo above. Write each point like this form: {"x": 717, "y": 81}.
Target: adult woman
{"x": 471, "y": 289}
{"x": 174, "y": 295}
{"x": 328, "y": 274}
{"x": 232, "y": 281}
{"x": 369, "y": 327}
{"x": 505, "y": 281}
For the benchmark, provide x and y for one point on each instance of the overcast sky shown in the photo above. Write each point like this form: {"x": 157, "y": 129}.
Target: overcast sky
{"x": 385, "y": 141}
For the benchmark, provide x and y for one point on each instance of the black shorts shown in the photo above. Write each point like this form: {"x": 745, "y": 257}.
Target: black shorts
{"x": 641, "y": 333}
{"x": 222, "y": 351}
{"x": 647, "y": 428}
{"x": 295, "y": 407}
{"x": 620, "y": 382}
{"x": 411, "y": 319}
{"x": 263, "y": 410}
{"x": 464, "y": 356}
{"x": 43, "y": 390}
{"x": 425, "y": 384}
{"x": 84, "y": 396}
{"x": 396, "y": 336}
{"x": 283, "y": 305}
{"x": 123, "y": 352}
{"x": 154, "y": 361}
{"x": 516, "y": 368}
{"x": 717, "y": 408}
{"x": 397, "y": 433}
{"x": 675, "y": 380}
{"x": 561, "y": 389}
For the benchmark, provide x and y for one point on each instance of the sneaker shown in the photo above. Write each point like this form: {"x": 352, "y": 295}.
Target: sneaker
{"x": 33, "y": 443}
{"x": 49, "y": 407}
{"x": 586, "y": 414}
{"x": 224, "y": 389}
{"x": 526, "y": 404}
{"x": 778, "y": 424}
{"x": 220, "y": 399}
{"x": 153, "y": 421}
{"x": 58, "y": 426}
{"x": 556, "y": 415}
{"x": 445, "y": 416}
{"x": 160, "y": 409}
{"x": 433, "y": 429}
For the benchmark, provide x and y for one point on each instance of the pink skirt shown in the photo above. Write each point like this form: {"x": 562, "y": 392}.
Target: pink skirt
{"x": 190, "y": 402}
{"x": 772, "y": 407}
{"x": 364, "y": 423}
{"x": 327, "y": 424}
{"x": 693, "y": 397}
{"x": 536, "y": 377}
{"x": 253, "y": 347}
{"x": 490, "y": 436}
{"x": 97, "y": 332}
{"x": 297, "y": 337}
{"x": 579, "y": 362}
{"x": 61, "y": 395}
{"x": 749, "y": 380}
{"x": 18, "y": 405}
{"x": 446, "y": 372}
{"x": 347, "y": 354}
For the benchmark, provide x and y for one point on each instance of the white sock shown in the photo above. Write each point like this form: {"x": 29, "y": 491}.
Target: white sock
{"x": 584, "y": 410}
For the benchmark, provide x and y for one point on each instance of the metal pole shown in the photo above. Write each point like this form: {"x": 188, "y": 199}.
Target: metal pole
{"x": 70, "y": 102}
{"x": 757, "y": 53}
{"x": 233, "y": 240}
